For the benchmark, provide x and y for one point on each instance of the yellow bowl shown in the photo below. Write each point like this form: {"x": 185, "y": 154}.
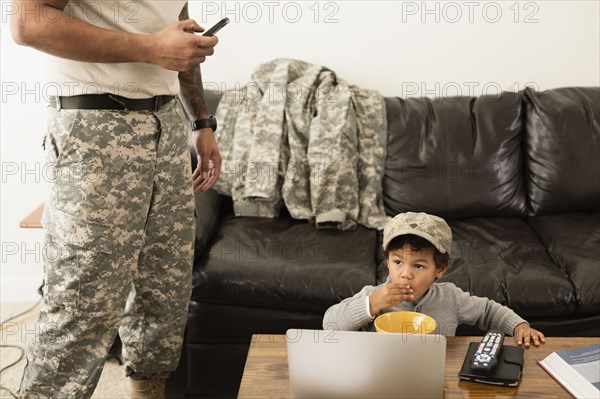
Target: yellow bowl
{"x": 405, "y": 323}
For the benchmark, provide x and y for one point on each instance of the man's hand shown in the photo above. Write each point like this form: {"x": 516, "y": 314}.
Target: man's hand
{"x": 208, "y": 169}
{"x": 389, "y": 295}
{"x": 177, "y": 48}
{"x": 523, "y": 334}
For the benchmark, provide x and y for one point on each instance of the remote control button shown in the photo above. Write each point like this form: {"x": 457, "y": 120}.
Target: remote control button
{"x": 485, "y": 357}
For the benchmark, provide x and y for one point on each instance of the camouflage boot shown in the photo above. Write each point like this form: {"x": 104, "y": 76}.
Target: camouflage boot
{"x": 147, "y": 389}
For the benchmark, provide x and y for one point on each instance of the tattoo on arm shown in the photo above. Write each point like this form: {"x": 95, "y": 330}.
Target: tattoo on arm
{"x": 192, "y": 93}
{"x": 192, "y": 90}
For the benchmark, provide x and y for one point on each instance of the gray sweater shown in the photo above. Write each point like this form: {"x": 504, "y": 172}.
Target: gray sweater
{"x": 445, "y": 302}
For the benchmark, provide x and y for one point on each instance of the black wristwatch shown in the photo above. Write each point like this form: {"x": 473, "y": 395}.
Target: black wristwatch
{"x": 204, "y": 123}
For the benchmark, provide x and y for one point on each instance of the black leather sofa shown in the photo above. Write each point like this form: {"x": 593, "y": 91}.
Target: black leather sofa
{"x": 516, "y": 175}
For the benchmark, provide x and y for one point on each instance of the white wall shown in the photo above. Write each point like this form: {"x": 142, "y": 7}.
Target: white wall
{"x": 400, "y": 49}
{"x": 405, "y": 48}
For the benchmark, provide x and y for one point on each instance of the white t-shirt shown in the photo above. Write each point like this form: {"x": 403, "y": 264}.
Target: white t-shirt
{"x": 128, "y": 79}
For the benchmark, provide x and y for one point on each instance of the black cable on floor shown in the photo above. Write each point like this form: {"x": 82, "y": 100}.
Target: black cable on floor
{"x": 20, "y": 314}
{"x": 9, "y": 391}
{"x": 2, "y": 387}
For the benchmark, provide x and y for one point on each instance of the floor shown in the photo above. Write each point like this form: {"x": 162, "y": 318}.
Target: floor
{"x": 112, "y": 384}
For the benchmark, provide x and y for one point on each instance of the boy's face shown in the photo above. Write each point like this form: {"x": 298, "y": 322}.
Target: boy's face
{"x": 413, "y": 268}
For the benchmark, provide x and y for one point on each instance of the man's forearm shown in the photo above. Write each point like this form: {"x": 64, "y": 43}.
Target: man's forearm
{"x": 62, "y": 35}
{"x": 192, "y": 90}
{"x": 192, "y": 93}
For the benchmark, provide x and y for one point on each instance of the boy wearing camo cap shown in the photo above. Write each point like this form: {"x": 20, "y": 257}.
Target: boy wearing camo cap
{"x": 417, "y": 251}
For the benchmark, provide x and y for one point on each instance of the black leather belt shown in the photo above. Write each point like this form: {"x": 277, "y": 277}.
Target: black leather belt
{"x": 110, "y": 101}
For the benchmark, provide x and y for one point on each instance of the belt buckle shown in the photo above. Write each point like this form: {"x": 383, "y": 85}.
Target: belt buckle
{"x": 157, "y": 103}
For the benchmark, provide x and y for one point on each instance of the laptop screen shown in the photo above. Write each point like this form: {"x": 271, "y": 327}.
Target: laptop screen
{"x": 355, "y": 364}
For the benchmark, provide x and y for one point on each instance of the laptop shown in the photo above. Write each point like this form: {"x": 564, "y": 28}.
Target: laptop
{"x": 357, "y": 364}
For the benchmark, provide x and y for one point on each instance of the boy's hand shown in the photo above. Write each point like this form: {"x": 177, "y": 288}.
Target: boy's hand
{"x": 523, "y": 334}
{"x": 389, "y": 295}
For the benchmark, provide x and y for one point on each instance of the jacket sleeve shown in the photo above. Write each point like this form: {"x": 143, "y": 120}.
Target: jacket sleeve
{"x": 485, "y": 313}
{"x": 371, "y": 124}
{"x": 226, "y": 114}
{"x": 267, "y": 129}
{"x": 332, "y": 155}
{"x": 350, "y": 314}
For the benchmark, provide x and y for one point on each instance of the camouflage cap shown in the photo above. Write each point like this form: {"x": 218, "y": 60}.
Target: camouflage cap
{"x": 432, "y": 228}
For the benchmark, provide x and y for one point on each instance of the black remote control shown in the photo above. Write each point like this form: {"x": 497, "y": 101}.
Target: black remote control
{"x": 486, "y": 356}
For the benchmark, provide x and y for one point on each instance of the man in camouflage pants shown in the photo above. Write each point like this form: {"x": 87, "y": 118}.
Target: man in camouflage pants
{"x": 119, "y": 217}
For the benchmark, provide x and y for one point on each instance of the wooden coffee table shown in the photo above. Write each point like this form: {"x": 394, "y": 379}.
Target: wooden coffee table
{"x": 266, "y": 371}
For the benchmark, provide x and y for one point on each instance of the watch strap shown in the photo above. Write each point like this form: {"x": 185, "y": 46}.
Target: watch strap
{"x": 198, "y": 124}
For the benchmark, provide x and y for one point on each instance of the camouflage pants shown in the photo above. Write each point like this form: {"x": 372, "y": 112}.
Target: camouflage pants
{"x": 118, "y": 249}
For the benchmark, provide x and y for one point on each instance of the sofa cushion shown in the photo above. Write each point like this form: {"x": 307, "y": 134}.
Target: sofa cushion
{"x": 573, "y": 242}
{"x": 504, "y": 260}
{"x": 283, "y": 264}
{"x": 455, "y": 157}
{"x": 214, "y": 323}
{"x": 561, "y": 148}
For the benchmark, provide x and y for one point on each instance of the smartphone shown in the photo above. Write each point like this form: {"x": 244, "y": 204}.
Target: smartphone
{"x": 217, "y": 27}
